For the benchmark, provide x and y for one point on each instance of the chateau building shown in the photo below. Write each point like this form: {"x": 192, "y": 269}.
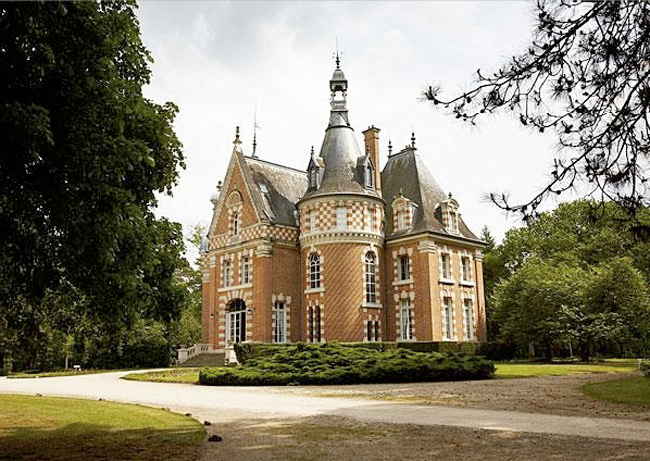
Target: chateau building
{"x": 340, "y": 251}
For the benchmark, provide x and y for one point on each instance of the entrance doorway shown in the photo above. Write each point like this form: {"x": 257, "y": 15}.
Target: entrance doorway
{"x": 236, "y": 321}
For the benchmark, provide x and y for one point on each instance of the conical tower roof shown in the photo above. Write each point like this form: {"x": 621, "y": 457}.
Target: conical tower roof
{"x": 340, "y": 151}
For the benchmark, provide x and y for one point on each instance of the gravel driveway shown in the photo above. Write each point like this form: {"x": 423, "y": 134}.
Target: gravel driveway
{"x": 228, "y": 404}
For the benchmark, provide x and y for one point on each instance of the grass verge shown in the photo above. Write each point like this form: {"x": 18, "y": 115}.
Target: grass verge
{"x": 526, "y": 370}
{"x": 72, "y": 429}
{"x": 632, "y": 391}
{"x": 50, "y": 374}
{"x": 173, "y": 375}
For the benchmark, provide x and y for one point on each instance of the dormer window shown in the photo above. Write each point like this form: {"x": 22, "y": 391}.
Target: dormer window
{"x": 369, "y": 177}
{"x": 403, "y": 213}
{"x": 313, "y": 179}
{"x": 314, "y": 171}
{"x": 449, "y": 212}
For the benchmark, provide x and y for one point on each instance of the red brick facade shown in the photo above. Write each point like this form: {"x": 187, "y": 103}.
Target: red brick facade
{"x": 317, "y": 256}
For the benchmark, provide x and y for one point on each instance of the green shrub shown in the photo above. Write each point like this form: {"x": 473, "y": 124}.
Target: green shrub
{"x": 644, "y": 367}
{"x": 333, "y": 363}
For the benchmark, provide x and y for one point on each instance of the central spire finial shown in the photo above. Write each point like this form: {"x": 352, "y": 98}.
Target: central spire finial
{"x": 338, "y": 58}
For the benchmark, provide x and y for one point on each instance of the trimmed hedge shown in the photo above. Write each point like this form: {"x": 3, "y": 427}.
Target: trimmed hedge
{"x": 332, "y": 363}
{"x": 246, "y": 351}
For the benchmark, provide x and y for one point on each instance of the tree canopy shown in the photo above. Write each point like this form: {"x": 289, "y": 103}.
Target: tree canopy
{"x": 585, "y": 75}
{"x": 84, "y": 154}
{"x": 576, "y": 277}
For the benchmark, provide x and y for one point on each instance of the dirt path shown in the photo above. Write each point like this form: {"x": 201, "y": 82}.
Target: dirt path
{"x": 299, "y": 423}
{"x": 555, "y": 395}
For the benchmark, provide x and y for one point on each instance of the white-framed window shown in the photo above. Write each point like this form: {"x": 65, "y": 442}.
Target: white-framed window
{"x": 226, "y": 273}
{"x": 468, "y": 312}
{"x": 448, "y": 312}
{"x": 405, "y": 320}
{"x": 371, "y": 219}
{"x": 371, "y": 278}
{"x": 404, "y": 267}
{"x": 312, "y": 221}
{"x": 314, "y": 324}
{"x": 445, "y": 265}
{"x": 401, "y": 219}
{"x": 280, "y": 330}
{"x": 466, "y": 269}
{"x": 236, "y": 321}
{"x": 314, "y": 271}
{"x": 341, "y": 218}
{"x": 245, "y": 270}
{"x": 453, "y": 220}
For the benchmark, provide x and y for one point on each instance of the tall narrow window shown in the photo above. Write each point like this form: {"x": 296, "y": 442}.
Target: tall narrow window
{"x": 377, "y": 335}
{"x": 341, "y": 218}
{"x": 405, "y": 320}
{"x": 369, "y": 331}
{"x": 404, "y": 268}
{"x": 226, "y": 273}
{"x": 236, "y": 321}
{"x": 317, "y": 324}
{"x": 466, "y": 269}
{"x": 245, "y": 270}
{"x": 314, "y": 319}
{"x": 371, "y": 219}
{"x": 469, "y": 319}
{"x": 234, "y": 223}
{"x": 280, "y": 330}
{"x": 449, "y": 317}
{"x": 446, "y": 265}
{"x": 314, "y": 271}
{"x": 371, "y": 278}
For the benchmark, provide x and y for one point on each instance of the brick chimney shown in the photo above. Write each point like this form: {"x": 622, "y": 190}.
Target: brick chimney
{"x": 371, "y": 139}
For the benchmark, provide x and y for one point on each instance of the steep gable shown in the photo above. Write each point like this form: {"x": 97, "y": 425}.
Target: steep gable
{"x": 238, "y": 181}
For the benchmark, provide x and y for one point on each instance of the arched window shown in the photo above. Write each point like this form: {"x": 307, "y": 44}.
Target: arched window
{"x": 314, "y": 271}
{"x": 371, "y": 278}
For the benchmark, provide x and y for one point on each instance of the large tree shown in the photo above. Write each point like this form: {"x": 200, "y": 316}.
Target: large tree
{"x": 577, "y": 275}
{"x": 585, "y": 75}
{"x": 84, "y": 154}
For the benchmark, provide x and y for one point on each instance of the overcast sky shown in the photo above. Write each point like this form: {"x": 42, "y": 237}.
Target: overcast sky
{"x": 218, "y": 60}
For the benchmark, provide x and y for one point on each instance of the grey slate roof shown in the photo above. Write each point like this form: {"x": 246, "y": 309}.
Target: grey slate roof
{"x": 284, "y": 187}
{"x": 405, "y": 173}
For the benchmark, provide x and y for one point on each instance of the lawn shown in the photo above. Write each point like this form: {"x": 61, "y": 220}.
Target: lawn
{"x": 173, "y": 375}
{"x": 49, "y": 374}
{"x": 72, "y": 429}
{"x": 526, "y": 370}
{"x": 504, "y": 370}
{"x": 633, "y": 391}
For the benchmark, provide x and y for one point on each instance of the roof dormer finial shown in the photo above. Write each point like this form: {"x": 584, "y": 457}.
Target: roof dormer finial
{"x": 412, "y": 139}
